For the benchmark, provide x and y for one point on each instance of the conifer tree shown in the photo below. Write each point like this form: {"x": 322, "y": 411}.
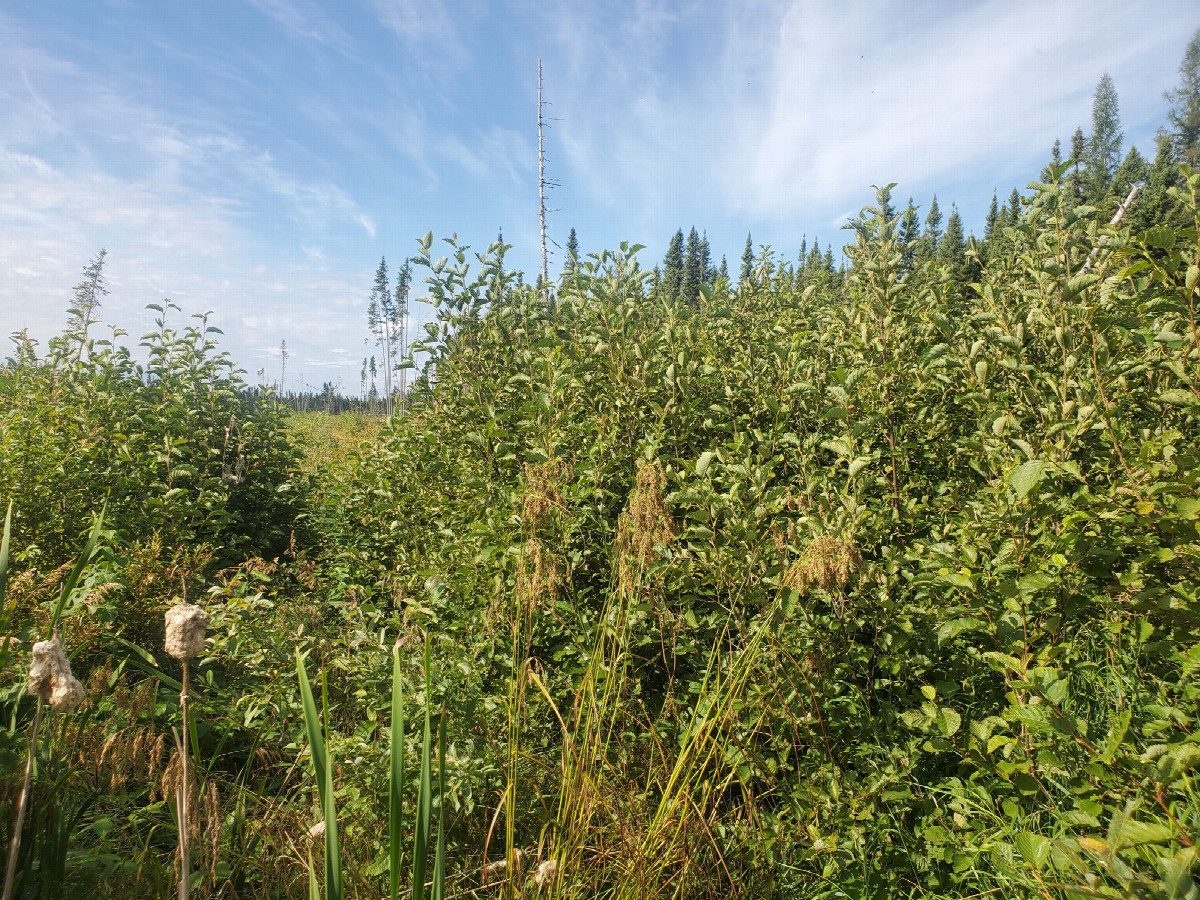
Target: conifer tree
{"x": 952, "y": 246}
{"x": 1155, "y": 206}
{"x": 1014, "y": 207}
{"x": 910, "y": 233}
{"x": 723, "y": 271}
{"x": 1133, "y": 170}
{"x": 815, "y": 261}
{"x": 572, "y": 265}
{"x": 707, "y": 272}
{"x": 1184, "y": 114}
{"x": 400, "y": 314}
{"x": 933, "y": 232}
{"x": 672, "y": 276}
{"x": 693, "y": 272}
{"x": 88, "y": 292}
{"x": 993, "y": 214}
{"x": 383, "y": 320}
{"x": 1075, "y": 182}
{"x": 747, "y": 261}
{"x": 1055, "y": 160}
{"x": 1104, "y": 145}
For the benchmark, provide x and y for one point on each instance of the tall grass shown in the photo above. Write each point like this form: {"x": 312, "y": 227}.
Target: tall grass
{"x": 65, "y": 592}
{"x": 316, "y": 725}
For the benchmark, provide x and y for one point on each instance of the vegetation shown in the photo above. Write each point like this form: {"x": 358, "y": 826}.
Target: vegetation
{"x": 873, "y": 581}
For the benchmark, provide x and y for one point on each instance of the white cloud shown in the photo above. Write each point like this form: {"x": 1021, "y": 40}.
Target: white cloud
{"x": 770, "y": 111}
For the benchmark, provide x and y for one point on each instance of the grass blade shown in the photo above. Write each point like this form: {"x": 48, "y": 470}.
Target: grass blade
{"x": 323, "y": 772}
{"x": 439, "y": 860}
{"x": 4, "y": 541}
{"x": 333, "y": 858}
{"x": 396, "y": 782}
{"x": 314, "y": 889}
{"x": 80, "y": 563}
{"x": 424, "y": 796}
{"x": 312, "y": 722}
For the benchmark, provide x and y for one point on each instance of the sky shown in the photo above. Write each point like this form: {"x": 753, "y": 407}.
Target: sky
{"x": 256, "y": 159}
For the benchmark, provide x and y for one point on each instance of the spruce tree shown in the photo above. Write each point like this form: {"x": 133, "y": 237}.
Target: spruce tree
{"x": 933, "y": 232}
{"x": 1184, "y": 114}
{"x": 1155, "y": 206}
{"x": 951, "y": 248}
{"x": 672, "y": 276}
{"x": 910, "y": 233}
{"x": 1014, "y": 207}
{"x": 747, "y": 261}
{"x": 723, "y": 272}
{"x": 1133, "y": 170}
{"x": 693, "y": 272}
{"x": 1104, "y": 145}
{"x": 707, "y": 273}
{"x": 993, "y": 214}
{"x": 572, "y": 265}
{"x": 1055, "y": 161}
{"x": 400, "y": 315}
{"x": 815, "y": 260}
{"x": 1075, "y": 190}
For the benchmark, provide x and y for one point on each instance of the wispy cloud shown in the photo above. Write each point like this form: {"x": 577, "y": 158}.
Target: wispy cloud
{"x": 306, "y": 20}
{"x": 788, "y": 110}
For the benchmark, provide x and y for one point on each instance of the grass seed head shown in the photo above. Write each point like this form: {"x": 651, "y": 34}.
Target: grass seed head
{"x": 186, "y": 625}
{"x": 827, "y": 563}
{"x": 645, "y": 525}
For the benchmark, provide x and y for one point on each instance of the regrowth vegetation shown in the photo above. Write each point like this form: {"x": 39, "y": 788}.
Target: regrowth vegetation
{"x": 881, "y": 582}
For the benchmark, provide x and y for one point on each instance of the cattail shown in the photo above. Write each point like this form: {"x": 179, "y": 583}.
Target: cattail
{"x": 185, "y": 640}
{"x": 50, "y": 676}
{"x": 543, "y": 875}
{"x": 185, "y": 631}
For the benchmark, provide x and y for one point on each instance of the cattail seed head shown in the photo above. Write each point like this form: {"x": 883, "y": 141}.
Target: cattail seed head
{"x": 185, "y": 631}
{"x": 50, "y": 676}
{"x": 543, "y": 875}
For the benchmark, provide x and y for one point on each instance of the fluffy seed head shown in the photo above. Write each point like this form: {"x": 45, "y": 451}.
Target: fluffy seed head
{"x": 50, "y": 676}
{"x": 185, "y": 630}
{"x": 543, "y": 875}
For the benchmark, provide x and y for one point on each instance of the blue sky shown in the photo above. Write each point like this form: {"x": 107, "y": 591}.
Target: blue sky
{"x": 257, "y": 158}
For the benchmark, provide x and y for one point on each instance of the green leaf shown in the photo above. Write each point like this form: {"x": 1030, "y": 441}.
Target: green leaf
{"x": 704, "y": 462}
{"x": 948, "y": 721}
{"x": 1161, "y": 237}
{"x": 1179, "y": 397}
{"x": 1034, "y": 848}
{"x": 1025, "y": 477}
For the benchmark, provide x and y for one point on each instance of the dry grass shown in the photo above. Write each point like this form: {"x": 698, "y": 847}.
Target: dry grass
{"x": 827, "y": 563}
{"x": 543, "y": 495}
{"x": 647, "y": 524}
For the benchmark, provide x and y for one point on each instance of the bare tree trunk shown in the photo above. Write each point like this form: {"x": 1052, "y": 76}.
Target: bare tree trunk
{"x": 542, "y": 180}
{"x": 1116, "y": 220}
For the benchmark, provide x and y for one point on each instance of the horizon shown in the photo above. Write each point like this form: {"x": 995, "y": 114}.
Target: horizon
{"x": 257, "y": 159}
